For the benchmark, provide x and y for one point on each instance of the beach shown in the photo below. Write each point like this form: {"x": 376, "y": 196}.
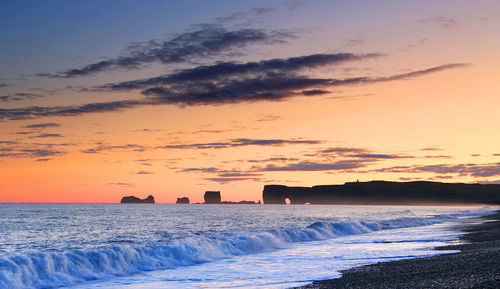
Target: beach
{"x": 477, "y": 265}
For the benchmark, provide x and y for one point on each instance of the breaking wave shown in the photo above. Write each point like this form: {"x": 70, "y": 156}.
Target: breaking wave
{"x": 54, "y": 269}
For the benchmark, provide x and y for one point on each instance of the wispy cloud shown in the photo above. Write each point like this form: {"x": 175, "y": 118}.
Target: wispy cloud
{"x": 222, "y": 70}
{"x": 101, "y": 148}
{"x": 46, "y": 135}
{"x": 316, "y": 166}
{"x": 268, "y": 87}
{"x": 240, "y": 142}
{"x": 143, "y": 173}
{"x": 122, "y": 184}
{"x": 473, "y": 170}
{"x": 19, "y": 96}
{"x": 442, "y": 21}
{"x": 42, "y": 125}
{"x": 201, "y": 42}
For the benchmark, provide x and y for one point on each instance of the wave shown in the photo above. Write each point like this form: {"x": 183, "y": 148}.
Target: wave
{"x": 55, "y": 269}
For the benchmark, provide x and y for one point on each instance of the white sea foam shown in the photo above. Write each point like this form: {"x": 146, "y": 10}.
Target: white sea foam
{"x": 48, "y": 269}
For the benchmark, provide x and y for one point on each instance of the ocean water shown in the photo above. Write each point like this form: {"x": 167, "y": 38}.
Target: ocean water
{"x": 210, "y": 246}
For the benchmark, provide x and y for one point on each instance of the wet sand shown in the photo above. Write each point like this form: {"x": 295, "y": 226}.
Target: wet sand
{"x": 477, "y": 265}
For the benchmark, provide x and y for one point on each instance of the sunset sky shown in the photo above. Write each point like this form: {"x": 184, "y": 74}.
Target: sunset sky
{"x": 101, "y": 99}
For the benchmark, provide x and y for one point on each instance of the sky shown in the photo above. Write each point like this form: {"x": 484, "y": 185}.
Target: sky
{"x": 103, "y": 99}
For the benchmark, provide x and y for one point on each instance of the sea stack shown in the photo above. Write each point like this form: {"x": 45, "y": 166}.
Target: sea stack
{"x": 135, "y": 200}
{"x": 212, "y": 197}
{"x": 183, "y": 200}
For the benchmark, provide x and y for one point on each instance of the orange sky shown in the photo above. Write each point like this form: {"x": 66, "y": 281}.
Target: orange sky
{"x": 407, "y": 114}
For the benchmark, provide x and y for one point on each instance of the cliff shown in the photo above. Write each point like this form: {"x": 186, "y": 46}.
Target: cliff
{"x": 135, "y": 200}
{"x": 385, "y": 193}
{"x": 212, "y": 197}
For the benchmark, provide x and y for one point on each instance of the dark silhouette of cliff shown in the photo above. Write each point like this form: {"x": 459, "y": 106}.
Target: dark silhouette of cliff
{"x": 385, "y": 193}
{"x": 135, "y": 200}
{"x": 212, "y": 197}
{"x": 183, "y": 200}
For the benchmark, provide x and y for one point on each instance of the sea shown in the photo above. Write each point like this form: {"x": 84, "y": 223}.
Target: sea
{"x": 212, "y": 246}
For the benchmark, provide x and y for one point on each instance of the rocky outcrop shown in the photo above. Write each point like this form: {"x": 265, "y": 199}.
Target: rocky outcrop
{"x": 212, "y": 197}
{"x": 240, "y": 203}
{"x": 135, "y": 200}
{"x": 385, "y": 193}
{"x": 183, "y": 200}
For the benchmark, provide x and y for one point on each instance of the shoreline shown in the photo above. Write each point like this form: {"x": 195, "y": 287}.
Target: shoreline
{"x": 477, "y": 265}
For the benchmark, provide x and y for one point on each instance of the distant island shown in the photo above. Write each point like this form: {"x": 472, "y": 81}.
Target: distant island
{"x": 182, "y": 200}
{"x": 385, "y": 193}
{"x": 135, "y": 200}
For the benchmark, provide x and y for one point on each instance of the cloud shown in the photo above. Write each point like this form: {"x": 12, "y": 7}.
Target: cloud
{"x": 269, "y": 117}
{"x": 45, "y": 135}
{"x": 495, "y": 182}
{"x": 19, "y": 96}
{"x": 473, "y": 170}
{"x": 100, "y": 148}
{"x": 271, "y": 86}
{"x": 239, "y": 143}
{"x": 431, "y": 149}
{"x": 3, "y": 84}
{"x": 229, "y": 179}
{"x": 201, "y": 42}
{"x": 442, "y": 21}
{"x": 378, "y": 156}
{"x": 316, "y": 166}
{"x": 14, "y": 149}
{"x": 122, "y": 184}
{"x": 70, "y": 110}
{"x": 222, "y": 70}
{"x": 143, "y": 173}
{"x": 268, "y": 87}
{"x": 42, "y": 125}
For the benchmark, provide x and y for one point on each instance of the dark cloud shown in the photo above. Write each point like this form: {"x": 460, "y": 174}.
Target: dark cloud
{"x": 3, "y": 84}
{"x": 268, "y": 87}
{"x": 13, "y": 149}
{"x": 42, "y": 125}
{"x": 438, "y": 157}
{"x": 70, "y": 110}
{"x": 314, "y": 92}
{"x": 496, "y": 155}
{"x": 100, "y": 148}
{"x": 316, "y": 166}
{"x": 143, "y": 173}
{"x": 201, "y": 42}
{"x": 225, "y": 175}
{"x": 229, "y": 179}
{"x": 222, "y": 70}
{"x": 240, "y": 142}
{"x": 41, "y": 152}
{"x": 43, "y": 160}
{"x": 122, "y": 184}
{"x": 431, "y": 149}
{"x": 378, "y": 156}
{"x": 440, "y": 20}
{"x": 19, "y": 96}
{"x": 273, "y": 159}
{"x": 44, "y": 135}
{"x": 344, "y": 150}
{"x": 474, "y": 170}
